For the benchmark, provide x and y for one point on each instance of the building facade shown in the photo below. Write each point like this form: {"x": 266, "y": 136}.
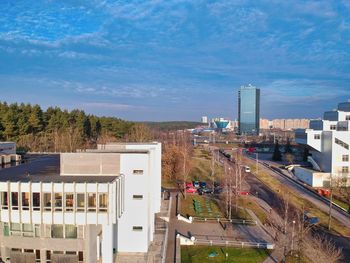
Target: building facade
{"x": 81, "y": 207}
{"x": 248, "y": 110}
{"x": 329, "y": 142}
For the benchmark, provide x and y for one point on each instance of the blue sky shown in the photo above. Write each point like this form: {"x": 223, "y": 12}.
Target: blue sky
{"x": 176, "y": 59}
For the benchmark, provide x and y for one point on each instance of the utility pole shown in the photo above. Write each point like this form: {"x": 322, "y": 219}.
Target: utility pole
{"x": 292, "y": 245}
{"x": 257, "y": 163}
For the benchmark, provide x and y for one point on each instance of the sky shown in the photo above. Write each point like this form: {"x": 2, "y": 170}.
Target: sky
{"x": 175, "y": 59}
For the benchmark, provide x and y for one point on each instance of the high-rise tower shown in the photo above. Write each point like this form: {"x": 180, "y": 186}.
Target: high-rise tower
{"x": 248, "y": 110}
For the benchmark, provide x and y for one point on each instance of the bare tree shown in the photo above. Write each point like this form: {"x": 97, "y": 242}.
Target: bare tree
{"x": 140, "y": 133}
{"x": 185, "y": 150}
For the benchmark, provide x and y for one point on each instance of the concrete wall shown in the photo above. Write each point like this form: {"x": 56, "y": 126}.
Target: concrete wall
{"x": 310, "y": 177}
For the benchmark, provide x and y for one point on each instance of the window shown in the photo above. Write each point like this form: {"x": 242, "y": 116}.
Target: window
{"x": 14, "y": 201}
{"x": 345, "y": 169}
{"x": 25, "y": 201}
{"x": 36, "y": 201}
{"x": 70, "y": 231}
{"x": 138, "y": 172}
{"x": 4, "y": 200}
{"x": 80, "y": 202}
{"x": 137, "y": 197}
{"x": 91, "y": 202}
{"x": 333, "y": 127}
{"x": 28, "y": 230}
{"x": 317, "y": 136}
{"x": 347, "y": 117}
{"x": 345, "y": 158}
{"x": 102, "y": 202}
{"x": 6, "y": 229}
{"x": 137, "y": 228}
{"x": 81, "y": 256}
{"x": 58, "y": 202}
{"x": 37, "y": 230}
{"x": 15, "y": 229}
{"x": 57, "y": 231}
{"x": 47, "y": 201}
{"x": 341, "y": 143}
{"x": 69, "y": 201}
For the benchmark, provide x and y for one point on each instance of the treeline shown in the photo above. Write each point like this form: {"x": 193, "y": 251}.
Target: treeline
{"x": 172, "y": 125}
{"x": 55, "y": 129}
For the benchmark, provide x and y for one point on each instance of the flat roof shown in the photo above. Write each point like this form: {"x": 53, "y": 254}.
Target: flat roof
{"x": 46, "y": 169}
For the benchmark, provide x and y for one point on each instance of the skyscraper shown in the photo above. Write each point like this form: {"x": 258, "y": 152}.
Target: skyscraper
{"x": 248, "y": 110}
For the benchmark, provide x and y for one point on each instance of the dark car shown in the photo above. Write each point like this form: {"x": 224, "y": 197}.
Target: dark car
{"x": 196, "y": 184}
{"x": 205, "y": 190}
{"x": 202, "y": 184}
{"x": 216, "y": 184}
{"x": 218, "y": 190}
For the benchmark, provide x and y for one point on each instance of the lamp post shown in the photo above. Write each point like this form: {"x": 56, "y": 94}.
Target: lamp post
{"x": 257, "y": 163}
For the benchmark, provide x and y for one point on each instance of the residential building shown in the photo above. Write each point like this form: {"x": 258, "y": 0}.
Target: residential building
{"x": 204, "y": 119}
{"x": 328, "y": 141}
{"x": 81, "y": 207}
{"x": 248, "y": 110}
{"x": 265, "y": 124}
{"x": 290, "y": 124}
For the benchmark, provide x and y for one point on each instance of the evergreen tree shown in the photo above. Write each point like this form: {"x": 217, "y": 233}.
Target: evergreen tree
{"x": 305, "y": 154}
{"x": 277, "y": 156}
{"x": 288, "y": 148}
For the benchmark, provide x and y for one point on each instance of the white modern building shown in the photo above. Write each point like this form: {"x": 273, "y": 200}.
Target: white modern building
{"x": 328, "y": 141}
{"x": 204, "y": 119}
{"x": 8, "y": 153}
{"x": 81, "y": 207}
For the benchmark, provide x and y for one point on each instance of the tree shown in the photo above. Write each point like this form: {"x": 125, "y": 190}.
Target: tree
{"x": 139, "y": 133}
{"x": 277, "y": 156}
{"x": 305, "y": 154}
{"x": 290, "y": 158}
{"x": 288, "y": 148}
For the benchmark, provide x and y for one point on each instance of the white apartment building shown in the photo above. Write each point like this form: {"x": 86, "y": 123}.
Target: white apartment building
{"x": 81, "y": 207}
{"x": 329, "y": 141}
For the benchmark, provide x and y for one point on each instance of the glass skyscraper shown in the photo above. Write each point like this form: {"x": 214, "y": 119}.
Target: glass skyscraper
{"x": 248, "y": 110}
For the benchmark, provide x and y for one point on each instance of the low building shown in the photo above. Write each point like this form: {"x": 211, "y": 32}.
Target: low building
{"x": 81, "y": 207}
{"x": 311, "y": 177}
{"x": 328, "y": 141}
{"x": 8, "y": 153}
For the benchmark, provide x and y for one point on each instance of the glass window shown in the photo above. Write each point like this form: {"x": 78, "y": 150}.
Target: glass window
{"x": 4, "y": 200}
{"x": 36, "y": 201}
{"x": 37, "y": 230}
{"x": 6, "y": 229}
{"x": 47, "y": 201}
{"x": 317, "y": 136}
{"x": 345, "y": 169}
{"x": 69, "y": 201}
{"x": 81, "y": 256}
{"x": 137, "y": 197}
{"x": 341, "y": 143}
{"x": 48, "y": 254}
{"x": 71, "y": 231}
{"x": 103, "y": 202}
{"x": 138, "y": 172}
{"x": 80, "y": 202}
{"x": 15, "y": 229}
{"x": 58, "y": 201}
{"x": 347, "y": 117}
{"x": 345, "y": 158}
{"x": 28, "y": 230}
{"x": 25, "y": 201}
{"x": 91, "y": 202}
{"x": 333, "y": 127}
{"x": 14, "y": 201}
{"x": 57, "y": 231}
{"x": 137, "y": 228}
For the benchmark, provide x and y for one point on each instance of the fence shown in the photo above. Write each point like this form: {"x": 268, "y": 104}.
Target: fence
{"x": 225, "y": 220}
{"x": 228, "y": 243}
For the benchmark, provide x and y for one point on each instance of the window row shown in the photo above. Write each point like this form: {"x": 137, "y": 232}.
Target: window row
{"x": 345, "y": 158}
{"x": 49, "y": 253}
{"x": 341, "y": 143}
{"x": 35, "y": 230}
{"x": 55, "y": 202}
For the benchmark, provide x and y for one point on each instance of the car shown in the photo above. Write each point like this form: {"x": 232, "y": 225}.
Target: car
{"x": 243, "y": 193}
{"x": 189, "y": 184}
{"x": 202, "y": 184}
{"x": 247, "y": 169}
{"x": 191, "y": 190}
{"x": 196, "y": 184}
{"x": 218, "y": 190}
{"x": 216, "y": 184}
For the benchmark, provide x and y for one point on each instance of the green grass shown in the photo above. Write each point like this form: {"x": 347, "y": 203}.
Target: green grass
{"x": 342, "y": 204}
{"x": 188, "y": 208}
{"x": 258, "y": 211}
{"x": 200, "y": 254}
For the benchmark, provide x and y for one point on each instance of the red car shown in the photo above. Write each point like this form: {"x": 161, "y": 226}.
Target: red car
{"x": 191, "y": 190}
{"x": 189, "y": 185}
{"x": 243, "y": 193}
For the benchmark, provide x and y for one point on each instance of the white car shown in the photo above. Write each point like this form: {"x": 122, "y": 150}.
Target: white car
{"x": 247, "y": 169}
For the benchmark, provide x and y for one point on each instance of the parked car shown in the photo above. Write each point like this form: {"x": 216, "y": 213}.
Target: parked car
{"x": 205, "y": 190}
{"x": 243, "y": 193}
{"x": 202, "y": 184}
{"x": 189, "y": 184}
{"x": 196, "y": 184}
{"x": 191, "y": 190}
{"x": 247, "y": 169}
{"x": 218, "y": 190}
{"x": 216, "y": 184}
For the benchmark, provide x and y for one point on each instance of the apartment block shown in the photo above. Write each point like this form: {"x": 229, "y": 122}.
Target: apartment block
{"x": 81, "y": 207}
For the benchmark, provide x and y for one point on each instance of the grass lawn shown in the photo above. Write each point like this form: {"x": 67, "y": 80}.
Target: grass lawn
{"x": 200, "y": 254}
{"x": 208, "y": 207}
{"x": 258, "y": 211}
{"x": 341, "y": 203}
